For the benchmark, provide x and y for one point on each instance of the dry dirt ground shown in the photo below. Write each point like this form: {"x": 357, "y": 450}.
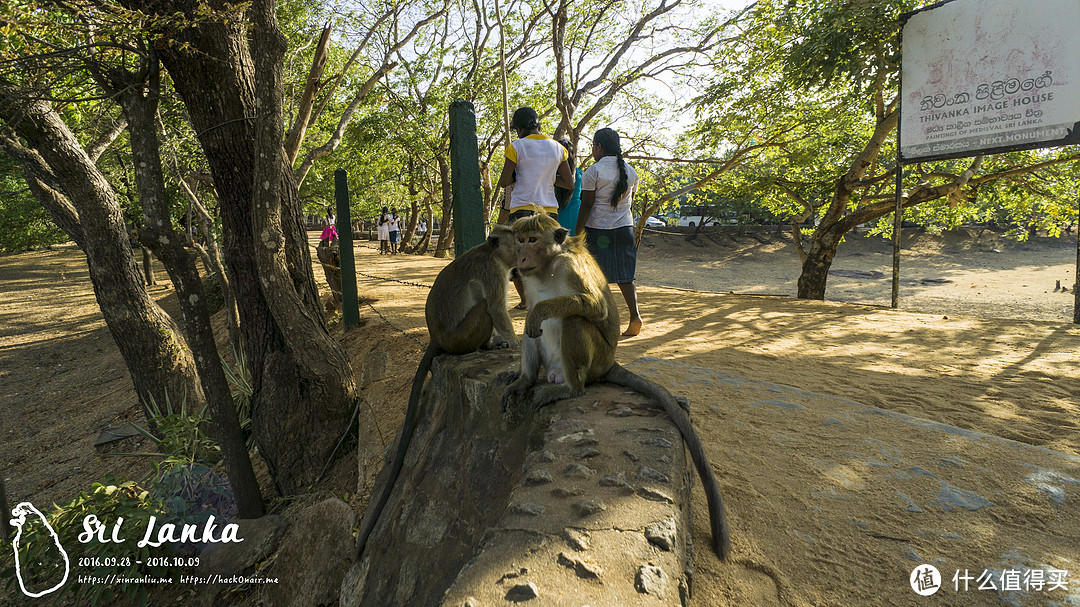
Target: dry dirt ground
{"x": 981, "y": 342}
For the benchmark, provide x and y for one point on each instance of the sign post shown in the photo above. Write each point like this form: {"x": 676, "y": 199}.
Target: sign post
{"x": 469, "y": 221}
{"x": 985, "y": 77}
{"x": 350, "y": 308}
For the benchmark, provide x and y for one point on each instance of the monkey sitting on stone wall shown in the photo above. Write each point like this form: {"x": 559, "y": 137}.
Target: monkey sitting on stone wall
{"x": 571, "y": 331}
{"x": 466, "y": 311}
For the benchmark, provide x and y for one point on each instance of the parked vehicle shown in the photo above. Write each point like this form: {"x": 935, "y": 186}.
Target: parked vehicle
{"x": 695, "y": 215}
{"x": 652, "y": 221}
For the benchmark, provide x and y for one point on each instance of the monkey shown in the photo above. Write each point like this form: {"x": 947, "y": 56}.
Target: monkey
{"x": 466, "y": 311}
{"x": 571, "y": 329}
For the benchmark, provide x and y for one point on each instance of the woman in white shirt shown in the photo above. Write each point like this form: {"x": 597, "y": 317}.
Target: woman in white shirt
{"x": 534, "y": 165}
{"x": 607, "y": 189}
{"x": 394, "y": 226}
{"x": 384, "y": 231}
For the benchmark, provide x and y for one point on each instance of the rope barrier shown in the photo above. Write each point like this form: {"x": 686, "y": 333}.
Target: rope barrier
{"x": 395, "y": 327}
{"x": 376, "y": 311}
{"x": 404, "y": 282}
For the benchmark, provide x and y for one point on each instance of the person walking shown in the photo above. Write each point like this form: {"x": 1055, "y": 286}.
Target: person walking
{"x": 569, "y": 199}
{"x": 383, "y": 228}
{"x": 421, "y": 229}
{"x": 607, "y": 189}
{"x": 394, "y": 226}
{"x": 534, "y": 165}
{"x": 329, "y": 233}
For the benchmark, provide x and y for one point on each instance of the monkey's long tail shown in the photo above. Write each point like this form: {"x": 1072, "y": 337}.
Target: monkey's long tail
{"x": 717, "y": 515}
{"x": 412, "y": 415}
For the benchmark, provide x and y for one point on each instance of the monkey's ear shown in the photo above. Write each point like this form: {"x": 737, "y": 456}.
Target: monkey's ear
{"x": 493, "y": 241}
{"x": 560, "y": 235}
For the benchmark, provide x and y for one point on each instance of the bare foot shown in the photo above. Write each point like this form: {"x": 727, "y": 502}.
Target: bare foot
{"x": 634, "y": 328}
{"x": 521, "y": 306}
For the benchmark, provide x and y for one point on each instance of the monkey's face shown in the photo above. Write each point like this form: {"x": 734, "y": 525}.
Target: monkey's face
{"x": 536, "y": 249}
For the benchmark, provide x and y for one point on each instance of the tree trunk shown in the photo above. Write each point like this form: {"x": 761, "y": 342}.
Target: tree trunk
{"x": 167, "y": 243}
{"x": 410, "y": 226}
{"x": 446, "y": 227}
{"x": 43, "y": 184}
{"x": 210, "y": 252}
{"x": 421, "y": 247}
{"x": 819, "y": 258}
{"x": 147, "y": 266}
{"x": 303, "y": 384}
{"x": 834, "y": 224}
{"x": 160, "y": 364}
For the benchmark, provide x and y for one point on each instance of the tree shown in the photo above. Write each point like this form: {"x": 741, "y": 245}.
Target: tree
{"x": 603, "y": 47}
{"x": 92, "y": 214}
{"x": 230, "y": 79}
{"x": 80, "y": 198}
{"x": 844, "y": 57}
{"x": 24, "y": 223}
{"x": 384, "y": 63}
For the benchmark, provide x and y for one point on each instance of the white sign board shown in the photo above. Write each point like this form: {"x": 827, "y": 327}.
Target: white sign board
{"x": 982, "y": 76}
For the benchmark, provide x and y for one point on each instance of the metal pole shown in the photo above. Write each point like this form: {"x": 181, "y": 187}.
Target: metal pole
{"x": 898, "y": 214}
{"x": 898, "y": 217}
{"x": 350, "y": 308}
{"x": 468, "y": 199}
{"x": 1076, "y": 276}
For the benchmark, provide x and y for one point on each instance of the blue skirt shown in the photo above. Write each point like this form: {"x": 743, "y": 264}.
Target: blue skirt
{"x": 615, "y": 251}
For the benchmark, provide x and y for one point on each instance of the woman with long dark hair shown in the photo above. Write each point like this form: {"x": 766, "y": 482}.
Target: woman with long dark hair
{"x": 607, "y": 189}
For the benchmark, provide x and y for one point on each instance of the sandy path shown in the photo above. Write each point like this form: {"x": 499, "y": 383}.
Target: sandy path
{"x": 960, "y": 272}
{"x": 62, "y": 379}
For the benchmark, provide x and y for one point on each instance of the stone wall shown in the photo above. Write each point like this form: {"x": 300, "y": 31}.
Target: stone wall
{"x": 585, "y": 502}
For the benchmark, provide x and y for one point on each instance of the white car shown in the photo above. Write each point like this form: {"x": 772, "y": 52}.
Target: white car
{"x": 652, "y": 221}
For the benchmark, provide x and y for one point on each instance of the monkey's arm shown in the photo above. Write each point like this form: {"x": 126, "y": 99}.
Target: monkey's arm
{"x": 530, "y": 367}
{"x": 564, "y": 177}
{"x": 588, "y": 305}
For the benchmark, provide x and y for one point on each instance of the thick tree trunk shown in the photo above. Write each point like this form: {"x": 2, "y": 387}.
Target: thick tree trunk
{"x": 61, "y": 211}
{"x": 834, "y": 224}
{"x": 147, "y": 266}
{"x": 303, "y": 384}
{"x": 43, "y": 184}
{"x": 160, "y": 364}
{"x": 421, "y": 247}
{"x": 410, "y": 226}
{"x": 815, "y": 268}
{"x": 167, "y": 244}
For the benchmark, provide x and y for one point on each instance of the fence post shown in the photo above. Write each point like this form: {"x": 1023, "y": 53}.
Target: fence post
{"x": 350, "y": 309}
{"x": 468, "y": 200}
